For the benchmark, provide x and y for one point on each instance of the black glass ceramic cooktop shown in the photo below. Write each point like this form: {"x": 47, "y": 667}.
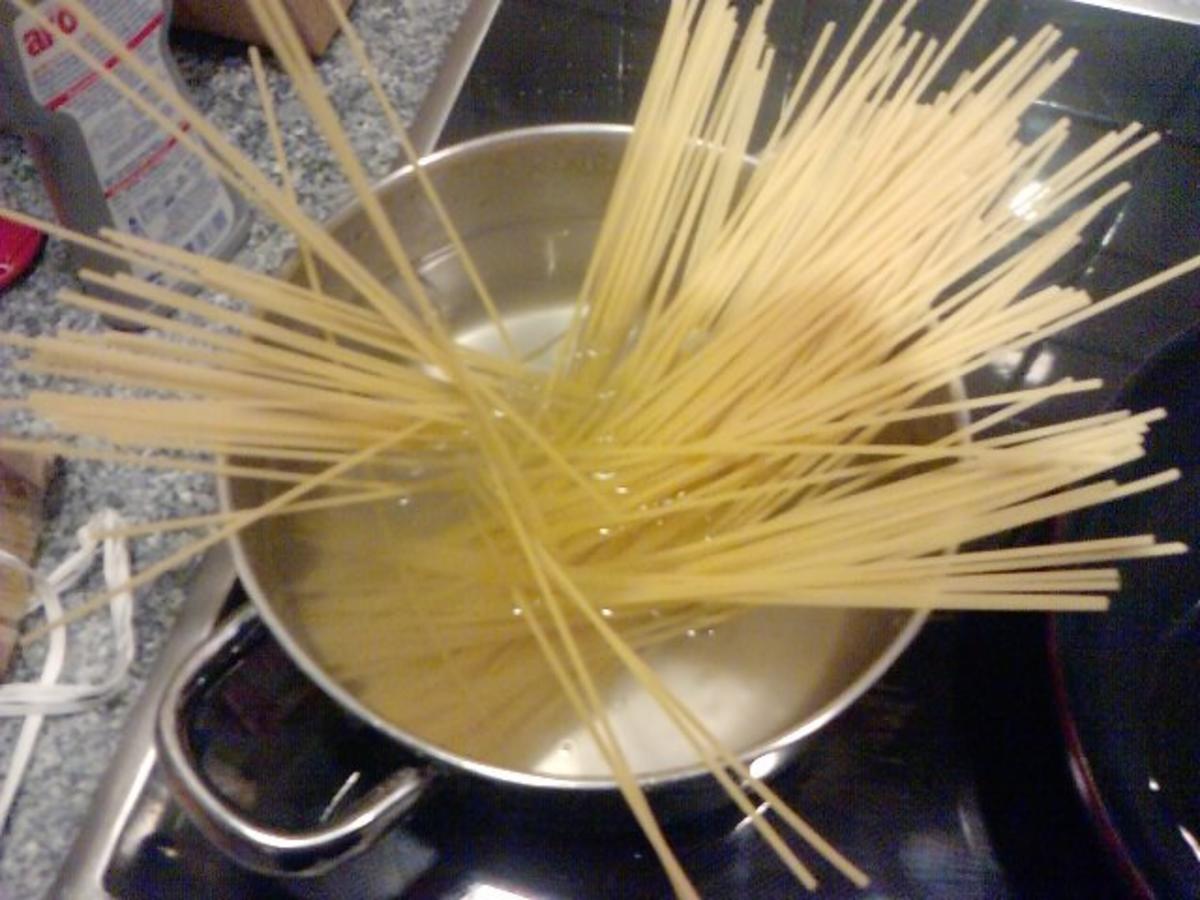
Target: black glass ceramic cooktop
{"x": 949, "y": 778}
{"x": 585, "y": 60}
{"x": 945, "y": 780}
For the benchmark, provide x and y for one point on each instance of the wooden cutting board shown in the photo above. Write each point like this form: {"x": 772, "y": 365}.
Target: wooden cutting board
{"x": 233, "y": 19}
{"x": 23, "y": 481}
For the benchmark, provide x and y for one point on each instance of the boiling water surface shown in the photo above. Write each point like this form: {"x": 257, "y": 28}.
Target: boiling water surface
{"x": 749, "y": 680}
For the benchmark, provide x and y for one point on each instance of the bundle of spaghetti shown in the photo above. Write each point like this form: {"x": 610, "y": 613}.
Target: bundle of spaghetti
{"x": 755, "y": 408}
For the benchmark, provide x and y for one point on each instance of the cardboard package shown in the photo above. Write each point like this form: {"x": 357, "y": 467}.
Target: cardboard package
{"x": 232, "y": 19}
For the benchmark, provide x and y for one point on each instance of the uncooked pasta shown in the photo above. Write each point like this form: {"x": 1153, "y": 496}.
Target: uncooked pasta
{"x": 741, "y": 447}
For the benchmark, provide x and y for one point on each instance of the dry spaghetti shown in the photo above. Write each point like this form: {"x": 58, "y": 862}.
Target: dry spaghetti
{"x": 751, "y": 424}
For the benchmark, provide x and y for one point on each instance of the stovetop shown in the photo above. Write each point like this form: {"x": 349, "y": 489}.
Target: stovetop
{"x": 948, "y": 779}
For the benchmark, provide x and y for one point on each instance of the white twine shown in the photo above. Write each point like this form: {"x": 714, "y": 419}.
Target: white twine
{"x": 46, "y": 697}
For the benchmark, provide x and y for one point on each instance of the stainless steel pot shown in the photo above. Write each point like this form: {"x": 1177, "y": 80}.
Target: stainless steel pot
{"x": 528, "y": 204}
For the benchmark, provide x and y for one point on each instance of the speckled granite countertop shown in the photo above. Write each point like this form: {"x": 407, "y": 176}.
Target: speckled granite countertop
{"x": 407, "y": 39}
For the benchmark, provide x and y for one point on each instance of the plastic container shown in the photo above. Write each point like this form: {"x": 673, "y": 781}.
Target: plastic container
{"x": 19, "y": 250}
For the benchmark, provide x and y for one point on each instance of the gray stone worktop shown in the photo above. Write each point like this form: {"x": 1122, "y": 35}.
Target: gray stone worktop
{"x": 407, "y": 39}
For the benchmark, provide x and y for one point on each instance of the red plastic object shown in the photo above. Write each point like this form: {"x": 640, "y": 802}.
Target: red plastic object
{"x": 19, "y": 249}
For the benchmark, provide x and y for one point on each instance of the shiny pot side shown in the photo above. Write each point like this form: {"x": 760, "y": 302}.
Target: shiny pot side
{"x": 527, "y": 203}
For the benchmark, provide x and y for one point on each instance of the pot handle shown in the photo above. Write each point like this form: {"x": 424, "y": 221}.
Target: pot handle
{"x": 260, "y": 848}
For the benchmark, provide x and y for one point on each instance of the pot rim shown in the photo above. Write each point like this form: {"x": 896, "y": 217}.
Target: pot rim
{"x": 784, "y": 744}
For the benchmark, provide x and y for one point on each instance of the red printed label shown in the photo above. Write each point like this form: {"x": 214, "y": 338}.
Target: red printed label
{"x": 153, "y": 184}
